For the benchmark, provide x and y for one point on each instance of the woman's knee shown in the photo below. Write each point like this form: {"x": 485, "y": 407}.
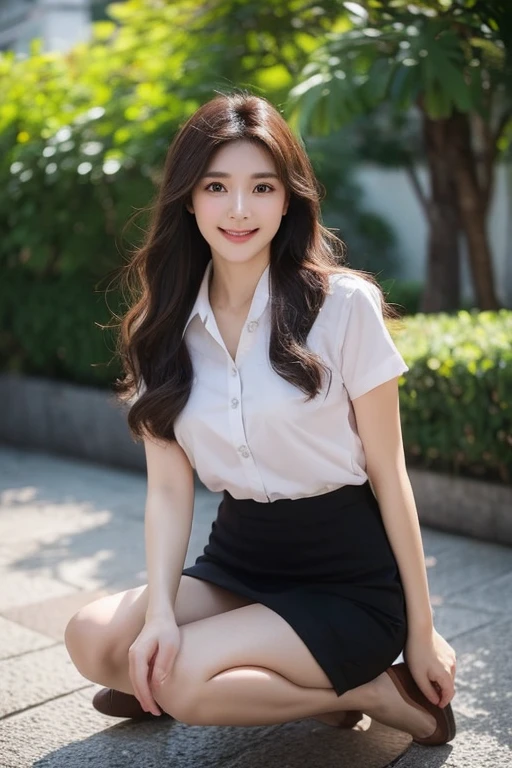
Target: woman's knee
{"x": 179, "y": 695}
{"x": 87, "y": 644}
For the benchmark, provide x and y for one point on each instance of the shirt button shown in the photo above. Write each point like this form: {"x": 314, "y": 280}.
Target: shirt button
{"x": 234, "y": 403}
{"x": 234, "y": 371}
{"x": 252, "y": 326}
{"x": 244, "y": 451}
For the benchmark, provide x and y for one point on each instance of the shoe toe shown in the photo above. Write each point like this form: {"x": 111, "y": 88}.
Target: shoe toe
{"x": 117, "y": 704}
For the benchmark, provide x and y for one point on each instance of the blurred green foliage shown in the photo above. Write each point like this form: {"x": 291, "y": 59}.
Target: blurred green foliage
{"x": 456, "y": 403}
{"x": 55, "y": 327}
{"x": 439, "y": 55}
{"x": 83, "y": 136}
{"x": 82, "y": 141}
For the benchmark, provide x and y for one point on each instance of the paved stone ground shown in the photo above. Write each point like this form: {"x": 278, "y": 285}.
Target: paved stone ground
{"x": 70, "y": 531}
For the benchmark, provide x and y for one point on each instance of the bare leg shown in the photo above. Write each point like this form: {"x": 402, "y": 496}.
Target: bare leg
{"x": 249, "y": 667}
{"x": 99, "y": 635}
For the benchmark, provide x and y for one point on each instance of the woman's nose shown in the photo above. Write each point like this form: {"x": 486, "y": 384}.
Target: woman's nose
{"x": 239, "y": 204}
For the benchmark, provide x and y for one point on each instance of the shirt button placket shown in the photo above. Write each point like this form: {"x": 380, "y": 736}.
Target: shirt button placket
{"x": 238, "y": 435}
{"x": 237, "y": 425}
{"x": 235, "y": 411}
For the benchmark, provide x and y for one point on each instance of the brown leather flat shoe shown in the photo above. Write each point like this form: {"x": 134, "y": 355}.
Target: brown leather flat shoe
{"x": 347, "y": 719}
{"x": 114, "y": 703}
{"x": 409, "y": 691}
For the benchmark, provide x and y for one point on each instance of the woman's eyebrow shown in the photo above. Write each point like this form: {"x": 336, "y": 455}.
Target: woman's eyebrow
{"x": 221, "y": 175}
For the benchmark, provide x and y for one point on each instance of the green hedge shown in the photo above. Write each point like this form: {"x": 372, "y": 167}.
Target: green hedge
{"x": 455, "y": 400}
{"x": 52, "y": 327}
{"x": 456, "y": 403}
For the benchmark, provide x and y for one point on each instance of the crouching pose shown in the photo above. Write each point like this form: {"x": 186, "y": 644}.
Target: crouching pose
{"x": 255, "y": 357}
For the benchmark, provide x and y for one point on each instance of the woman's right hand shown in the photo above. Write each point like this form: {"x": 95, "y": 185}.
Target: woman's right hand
{"x": 151, "y": 657}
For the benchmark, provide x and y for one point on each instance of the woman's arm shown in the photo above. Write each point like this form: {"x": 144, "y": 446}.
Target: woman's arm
{"x": 377, "y": 413}
{"x": 378, "y": 424}
{"x": 168, "y": 521}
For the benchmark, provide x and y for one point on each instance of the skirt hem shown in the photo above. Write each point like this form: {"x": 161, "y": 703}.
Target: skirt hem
{"x": 320, "y": 639}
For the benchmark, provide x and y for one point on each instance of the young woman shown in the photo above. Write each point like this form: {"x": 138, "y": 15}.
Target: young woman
{"x": 261, "y": 362}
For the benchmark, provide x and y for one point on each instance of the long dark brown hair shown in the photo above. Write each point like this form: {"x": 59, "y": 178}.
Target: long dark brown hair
{"x": 164, "y": 275}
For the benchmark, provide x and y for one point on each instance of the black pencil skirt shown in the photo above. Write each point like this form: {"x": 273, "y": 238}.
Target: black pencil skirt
{"x": 323, "y": 563}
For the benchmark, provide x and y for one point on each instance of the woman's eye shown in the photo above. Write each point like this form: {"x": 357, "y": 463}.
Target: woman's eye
{"x": 218, "y": 184}
{"x": 214, "y": 184}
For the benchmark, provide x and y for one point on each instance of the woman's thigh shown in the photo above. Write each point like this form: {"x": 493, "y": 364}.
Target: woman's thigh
{"x": 107, "y": 627}
{"x": 252, "y": 635}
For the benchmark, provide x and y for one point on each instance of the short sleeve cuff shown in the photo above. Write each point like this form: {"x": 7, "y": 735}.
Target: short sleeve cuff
{"x": 387, "y": 370}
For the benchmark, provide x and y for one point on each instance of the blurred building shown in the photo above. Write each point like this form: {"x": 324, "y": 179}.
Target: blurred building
{"x": 58, "y": 23}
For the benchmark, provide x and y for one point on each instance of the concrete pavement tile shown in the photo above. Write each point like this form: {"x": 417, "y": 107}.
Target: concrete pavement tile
{"x": 51, "y": 616}
{"x": 16, "y": 639}
{"x": 468, "y": 750}
{"x": 94, "y": 559}
{"x": 76, "y": 481}
{"x": 452, "y": 620}
{"x": 31, "y": 735}
{"x": 435, "y": 541}
{"x": 467, "y": 563}
{"x": 36, "y": 521}
{"x": 116, "y": 554}
{"x": 33, "y": 678}
{"x": 482, "y": 705}
{"x": 484, "y": 680}
{"x": 309, "y": 743}
{"x": 84, "y": 548}
{"x": 86, "y": 559}
{"x": 79, "y": 736}
{"x": 494, "y": 595}
{"x": 20, "y": 588}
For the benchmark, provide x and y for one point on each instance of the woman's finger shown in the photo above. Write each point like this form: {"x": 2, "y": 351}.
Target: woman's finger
{"x": 133, "y": 666}
{"x": 427, "y": 688}
{"x": 163, "y": 663}
{"x": 145, "y": 689}
{"x": 447, "y": 689}
{"x": 133, "y": 677}
{"x": 138, "y": 665}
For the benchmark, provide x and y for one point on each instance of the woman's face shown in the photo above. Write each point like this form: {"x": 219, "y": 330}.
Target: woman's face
{"x": 239, "y": 192}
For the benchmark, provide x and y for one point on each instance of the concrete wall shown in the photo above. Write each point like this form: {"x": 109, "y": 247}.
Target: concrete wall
{"x": 389, "y": 193}
{"x": 67, "y": 419}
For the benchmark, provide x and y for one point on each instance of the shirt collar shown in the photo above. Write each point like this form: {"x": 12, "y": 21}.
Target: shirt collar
{"x": 202, "y": 305}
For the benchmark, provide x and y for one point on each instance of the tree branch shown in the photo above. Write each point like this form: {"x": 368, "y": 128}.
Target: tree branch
{"x": 502, "y": 124}
{"x": 420, "y": 194}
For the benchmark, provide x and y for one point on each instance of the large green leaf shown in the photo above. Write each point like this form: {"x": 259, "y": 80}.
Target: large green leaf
{"x": 454, "y": 56}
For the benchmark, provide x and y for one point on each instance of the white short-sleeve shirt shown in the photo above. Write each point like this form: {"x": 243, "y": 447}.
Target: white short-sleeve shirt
{"x": 248, "y": 431}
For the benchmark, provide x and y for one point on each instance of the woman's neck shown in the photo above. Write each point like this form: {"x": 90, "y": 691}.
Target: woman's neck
{"x": 232, "y": 287}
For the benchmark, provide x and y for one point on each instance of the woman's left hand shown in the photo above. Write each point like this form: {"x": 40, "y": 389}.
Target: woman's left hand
{"x": 431, "y": 661}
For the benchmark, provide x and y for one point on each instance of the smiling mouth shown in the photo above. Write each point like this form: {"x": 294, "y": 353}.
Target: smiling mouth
{"x": 238, "y": 232}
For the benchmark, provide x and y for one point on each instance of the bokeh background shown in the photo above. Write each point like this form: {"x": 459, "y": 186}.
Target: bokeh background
{"x": 405, "y": 110}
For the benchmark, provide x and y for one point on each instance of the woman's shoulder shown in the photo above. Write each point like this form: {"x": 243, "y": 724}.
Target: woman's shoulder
{"x": 344, "y": 284}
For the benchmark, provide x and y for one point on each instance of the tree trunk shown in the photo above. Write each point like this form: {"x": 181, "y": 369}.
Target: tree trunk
{"x": 472, "y": 204}
{"x": 442, "y": 289}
